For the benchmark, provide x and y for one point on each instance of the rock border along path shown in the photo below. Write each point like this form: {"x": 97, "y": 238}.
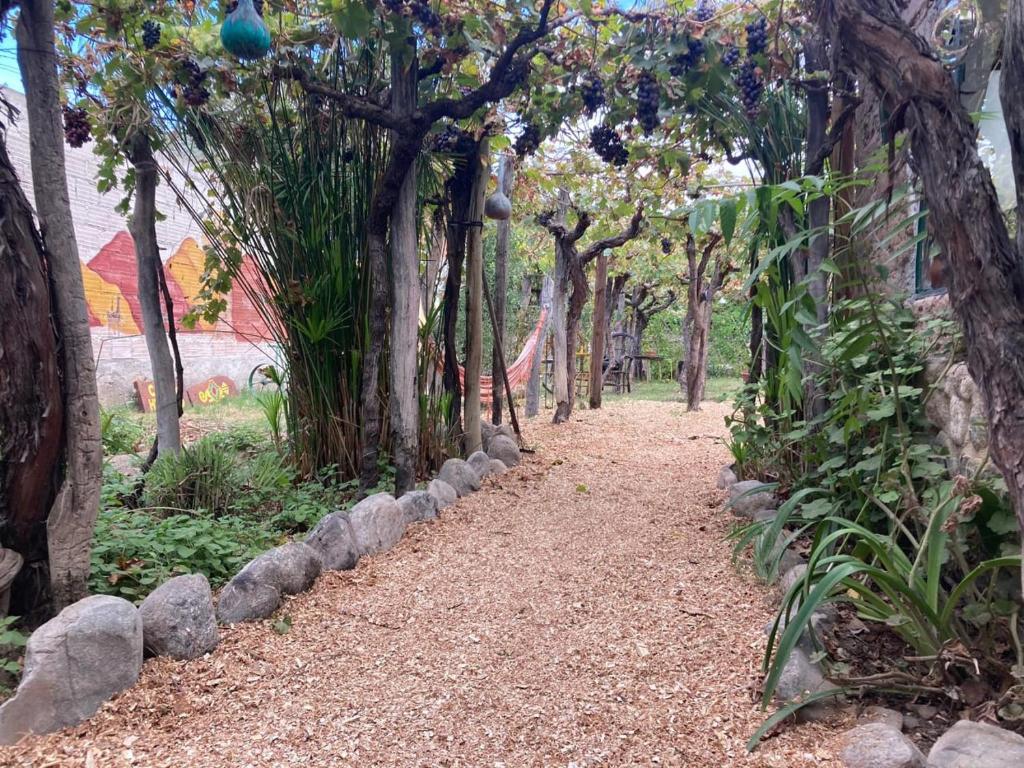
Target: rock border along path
{"x": 580, "y": 610}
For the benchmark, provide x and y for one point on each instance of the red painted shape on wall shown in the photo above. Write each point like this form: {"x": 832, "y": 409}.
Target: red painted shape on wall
{"x": 246, "y": 321}
{"x": 115, "y": 263}
{"x": 212, "y": 390}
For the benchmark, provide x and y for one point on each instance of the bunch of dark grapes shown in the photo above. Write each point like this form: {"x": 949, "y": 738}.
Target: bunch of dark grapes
{"x": 705, "y": 11}
{"x": 684, "y": 62}
{"x": 608, "y": 145}
{"x": 666, "y": 246}
{"x": 395, "y": 6}
{"x": 751, "y": 87}
{"x": 731, "y": 56}
{"x": 757, "y": 36}
{"x": 193, "y": 91}
{"x": 150, "y": 34}
{"x": 76, "y": 126}
{"x": 647, "y": 99}
{"x": 451, "y": 140}
{"x": 592, "y": 90}
{"x": 424, "y": 14}
{"x": 528, "y": 141}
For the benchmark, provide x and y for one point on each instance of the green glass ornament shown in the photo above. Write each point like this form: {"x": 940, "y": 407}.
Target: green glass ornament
{"x": 244, "y": 34}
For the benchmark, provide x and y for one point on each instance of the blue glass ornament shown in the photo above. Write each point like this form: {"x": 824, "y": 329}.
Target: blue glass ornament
{"x": 244, "y": 34}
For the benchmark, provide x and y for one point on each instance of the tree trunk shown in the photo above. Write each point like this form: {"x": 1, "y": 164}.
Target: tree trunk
{"x": 31, "y": 404}
{"x": 600, "y": 327}
{"x": 435, "y": 251}
{"x": 533, "y": 385}
{"x": 559, "y": 308}
{"x": 460, "y": 192}
{"x": 474, "y": 303}
{"x": 73, "y": 514}
{"x": 369, "y": 405}
{"x": 405, "y": 287}
{"x": 987, "y": 272}
{"x": 697, "y": 356}
{"x": 148, "y": 266}
{"x": 506, "y": 180}
{"x": 818, "y": 215}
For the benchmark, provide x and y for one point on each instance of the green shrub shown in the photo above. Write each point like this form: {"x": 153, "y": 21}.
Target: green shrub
{"x": 204, "y": 476}
{"x": 12, "y": 641}
{"x": 134, "y": 551}
{"x": 119, "y": 432}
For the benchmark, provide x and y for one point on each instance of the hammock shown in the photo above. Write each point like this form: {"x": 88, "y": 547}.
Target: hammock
{"x": 518, "y": 370}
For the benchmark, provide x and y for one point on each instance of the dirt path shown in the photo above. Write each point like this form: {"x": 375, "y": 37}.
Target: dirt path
{"x": 582, "y": 610}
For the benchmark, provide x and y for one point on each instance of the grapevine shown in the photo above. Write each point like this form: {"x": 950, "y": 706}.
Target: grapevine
{"x": 608, "y": 145}
{"x": 592, "y": 91}
{"x": 150, "y": 34}
{"x": 751, "y": 87}
{"x": 647, "y": 99}
{"x": 77, "y": 131}
{"x": 757, "y": 36}
{"x": 528, "y": 141}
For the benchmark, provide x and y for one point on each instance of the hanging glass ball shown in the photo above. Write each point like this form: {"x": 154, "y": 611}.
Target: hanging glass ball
{"x": 244, "y": 33}
{"x": 955, "y": 29}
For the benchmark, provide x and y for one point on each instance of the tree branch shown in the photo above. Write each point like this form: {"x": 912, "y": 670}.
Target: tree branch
{"x": 615, "y": 241}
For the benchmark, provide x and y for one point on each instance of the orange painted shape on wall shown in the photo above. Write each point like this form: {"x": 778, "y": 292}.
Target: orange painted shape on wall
{"x": 185, "y": 267}
{"x": 107, "y": 304}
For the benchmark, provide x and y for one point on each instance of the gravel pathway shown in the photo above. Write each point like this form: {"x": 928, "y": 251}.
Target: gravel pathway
{"x": 581, "y": 610}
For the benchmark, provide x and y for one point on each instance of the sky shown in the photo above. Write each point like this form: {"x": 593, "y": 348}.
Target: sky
{"x": 9, "y": 75}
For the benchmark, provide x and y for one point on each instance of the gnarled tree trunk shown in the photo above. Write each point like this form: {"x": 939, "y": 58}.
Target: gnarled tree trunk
{"x": 986, "y": 268}
{"x": 31, "y": 401}
{"x": 72, "y": 516}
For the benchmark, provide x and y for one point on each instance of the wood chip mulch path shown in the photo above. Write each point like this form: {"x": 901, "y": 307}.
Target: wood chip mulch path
{"x": 582, "y": 610}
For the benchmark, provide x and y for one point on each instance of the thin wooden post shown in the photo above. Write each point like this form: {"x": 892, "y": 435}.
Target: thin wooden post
{"x": 597, "y": 336}
{"x": 499, "y": 354}
{"x": 474, "y": 302}
{"x": 506, "y": 177}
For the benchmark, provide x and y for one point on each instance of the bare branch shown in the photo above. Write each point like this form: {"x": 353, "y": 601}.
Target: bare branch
{"x": 615, "y": 241}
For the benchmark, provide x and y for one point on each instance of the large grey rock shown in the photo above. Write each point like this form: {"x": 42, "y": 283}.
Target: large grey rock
{"x": 977, "y": 745}
{"x": 335, "y": 542}
{"x": 291, "y": 568}
{"x": 876, "y": 714}
{"x": 255, "y": 592}
{"x": 504, "y": 449}
{"x": 489, "y": 431}
{"x": 791, "y": 576}
{"x": 73, "y": 663}
{"x": 877, "y": 745}
{"x": 246, "y": 599}
{"x": 378, "y": 523}
{"x": 418, "y": 506}
{"x": 178, "y": 618}
{"x": 498, "y": 467}
{"x": 800, "y": 675}
{"x": 460, "y": 476}
{"x": 726, "y": 479}
{"x": 745, "y": 499}
{"x": 444, "y": 495}
{"x": 481, "y": 463}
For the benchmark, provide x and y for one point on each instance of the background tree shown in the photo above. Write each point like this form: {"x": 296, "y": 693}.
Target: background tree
{"x": 74, "y": 503}
{"x": 702, "y": 286}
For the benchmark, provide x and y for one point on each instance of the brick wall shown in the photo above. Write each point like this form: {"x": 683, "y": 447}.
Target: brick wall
{"x": 108, "y": 270}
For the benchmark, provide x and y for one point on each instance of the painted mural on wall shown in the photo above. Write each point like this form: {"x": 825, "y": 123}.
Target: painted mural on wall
{"x": 111, "y": 292}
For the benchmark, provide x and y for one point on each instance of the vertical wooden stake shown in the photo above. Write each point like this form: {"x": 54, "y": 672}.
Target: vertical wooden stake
{"x": 474, "y": 302}
{"x": 597, "y": 339}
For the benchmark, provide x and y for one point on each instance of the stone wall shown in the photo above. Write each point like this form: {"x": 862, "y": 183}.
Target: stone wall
{"x": 956, "y": 406}
{"x": 233, "y": 346}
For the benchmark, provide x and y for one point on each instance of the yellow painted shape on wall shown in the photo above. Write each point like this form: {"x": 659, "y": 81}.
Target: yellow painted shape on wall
{"x": 186, "y": 266}
{"x": 107, "y": 304}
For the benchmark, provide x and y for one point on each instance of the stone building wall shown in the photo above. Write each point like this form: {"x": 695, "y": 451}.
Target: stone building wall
{"x": 233, "y": 346}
